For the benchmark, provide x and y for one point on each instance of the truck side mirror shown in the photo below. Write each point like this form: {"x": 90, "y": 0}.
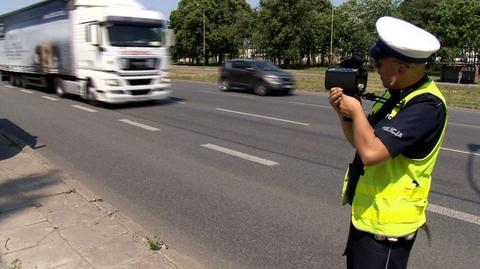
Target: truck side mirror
{"x": 94, "y": 34}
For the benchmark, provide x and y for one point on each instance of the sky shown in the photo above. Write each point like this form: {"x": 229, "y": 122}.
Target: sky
{"x": 164, "y": 6}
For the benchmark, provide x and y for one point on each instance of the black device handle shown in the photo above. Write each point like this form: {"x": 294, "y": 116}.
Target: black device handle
{"x": 373, "y": 97}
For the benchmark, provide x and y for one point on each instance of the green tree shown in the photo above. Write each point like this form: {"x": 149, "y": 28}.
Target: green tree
{"x": 276, "y": 35}
{"x": 351, "y": 35}
{"x": 371, "y": 10}
{"x": 298, "y": 31}
{"x": 419, "y": 12}
{"x": 457, "y": 25}
{"x": 315, "y": 37}
{"x": 289, "y": 30}
{"x": 226, "y": 25}
{"x": 422, "y": 13}
{"x": 355, "y": 29}
{"x": 188, "y": 31}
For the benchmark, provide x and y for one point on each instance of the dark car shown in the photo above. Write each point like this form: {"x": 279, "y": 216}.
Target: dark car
{"x": 261, "y": 76}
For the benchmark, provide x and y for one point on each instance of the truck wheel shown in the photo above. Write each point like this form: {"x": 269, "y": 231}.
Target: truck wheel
{"x": 12, "y": 79}
{"x": 59, "y": 88}
{"x": 91, "y": 99}
{"x": 261, "y": 90}
{"x": 23, "y": 82}
{"x": 17, "y": 80}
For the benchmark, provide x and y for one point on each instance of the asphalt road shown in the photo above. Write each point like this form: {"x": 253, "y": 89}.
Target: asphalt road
{"x": 233, "y": 180}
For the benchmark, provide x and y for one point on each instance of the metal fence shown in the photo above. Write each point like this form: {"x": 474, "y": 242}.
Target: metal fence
{"x": 459, "y": 73}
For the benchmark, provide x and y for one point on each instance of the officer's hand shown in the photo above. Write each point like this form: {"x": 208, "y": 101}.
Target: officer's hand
{"x": 335, "y": 98}
{"x": 349, "y": 106}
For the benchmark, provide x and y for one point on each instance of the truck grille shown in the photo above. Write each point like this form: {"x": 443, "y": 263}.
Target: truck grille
{"x": 138, "y": 82}
{"x": 133, "y": 64}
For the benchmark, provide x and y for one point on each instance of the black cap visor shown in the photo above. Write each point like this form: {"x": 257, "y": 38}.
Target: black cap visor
{"x": 376, "y": 52}
{"x": 381, "y": 50}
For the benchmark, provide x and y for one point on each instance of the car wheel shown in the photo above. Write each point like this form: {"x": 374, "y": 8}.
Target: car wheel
{"x": 261, "y": 89}
{"x": 224, "y": 85}
{"x": 288, "y": 92}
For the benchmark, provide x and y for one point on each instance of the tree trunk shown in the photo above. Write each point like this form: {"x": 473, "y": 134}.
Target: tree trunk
{"x": 220, "y": 58}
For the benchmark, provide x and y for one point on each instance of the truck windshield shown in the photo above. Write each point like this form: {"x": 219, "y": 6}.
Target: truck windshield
{"x": 122, "y": 35}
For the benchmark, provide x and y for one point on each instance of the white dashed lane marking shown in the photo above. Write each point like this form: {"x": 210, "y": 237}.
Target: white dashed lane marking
{"x": 461, "y": 151}
{"x": 454, "y": 214}
{"x": 84, "y": 108}
{"x": 49, "y": 98}
{"x": 140, "y": 125}
{"x": 263, "y": 117}
{"x": 240, "y": 155}
{"x": 464, "y": 125}
{"x": 313, "y": 105}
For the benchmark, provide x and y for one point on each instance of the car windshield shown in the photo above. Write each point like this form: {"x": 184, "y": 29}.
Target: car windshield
{"x": 124, "y": 35}
{"x": 266, "y": 66}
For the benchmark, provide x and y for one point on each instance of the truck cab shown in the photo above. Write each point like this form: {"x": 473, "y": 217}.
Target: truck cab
{"x": 121, "y": 52}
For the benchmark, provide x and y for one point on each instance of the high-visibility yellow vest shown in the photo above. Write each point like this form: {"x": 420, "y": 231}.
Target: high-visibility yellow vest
{"x": 391, "y": 197}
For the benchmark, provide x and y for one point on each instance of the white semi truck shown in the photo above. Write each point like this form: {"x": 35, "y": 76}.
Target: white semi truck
{"x": 112, "y": 51}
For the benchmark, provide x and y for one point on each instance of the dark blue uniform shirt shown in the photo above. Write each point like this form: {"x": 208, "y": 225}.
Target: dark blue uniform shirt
{"x": 415, "y": 130}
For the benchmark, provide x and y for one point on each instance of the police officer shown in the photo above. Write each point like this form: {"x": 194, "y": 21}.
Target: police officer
{"x": 397, "y": 145}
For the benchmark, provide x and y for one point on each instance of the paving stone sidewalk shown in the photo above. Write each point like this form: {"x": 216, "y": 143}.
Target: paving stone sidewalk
{"x": 46, "y": 221}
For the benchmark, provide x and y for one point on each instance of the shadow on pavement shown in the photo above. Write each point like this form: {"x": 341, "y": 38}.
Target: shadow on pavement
{"x": 13, "y": 139}
{"x": 170, "y": 101}
{"x": 21, "y": 184}
{"x": 272, "y": 94}
{"x": 19, "y": 193}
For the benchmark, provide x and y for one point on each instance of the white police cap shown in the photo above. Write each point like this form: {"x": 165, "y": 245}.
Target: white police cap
{"x": 403, "y": 41}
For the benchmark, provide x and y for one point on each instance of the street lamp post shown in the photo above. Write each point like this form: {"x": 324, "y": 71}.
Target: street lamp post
{"x": 331, "y": 38}
{"x": 204, "y": 55}
{"x": 204, "y": 51}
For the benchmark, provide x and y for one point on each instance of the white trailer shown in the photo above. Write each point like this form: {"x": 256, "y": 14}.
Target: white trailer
{"x": 113, "y": 51}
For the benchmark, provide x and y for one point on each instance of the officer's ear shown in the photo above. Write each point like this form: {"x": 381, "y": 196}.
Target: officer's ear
{"x": 403, "y": 68}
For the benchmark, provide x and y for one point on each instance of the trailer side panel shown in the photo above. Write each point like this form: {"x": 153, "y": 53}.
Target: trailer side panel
{"x": 38, "y": 40}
